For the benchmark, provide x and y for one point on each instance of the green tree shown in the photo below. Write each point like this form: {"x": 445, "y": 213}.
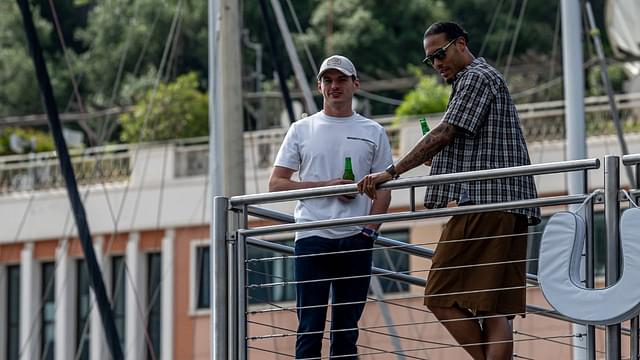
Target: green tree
{"x": 178, "y": 110}
{"x": 381, "y": 40}
{"x": 428, "y": 97}
{"x": 135, "y": 34}
{"x": 19, "y": 93}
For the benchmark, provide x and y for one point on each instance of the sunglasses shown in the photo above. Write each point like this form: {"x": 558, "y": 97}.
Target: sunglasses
{"x": 438, "y": 54}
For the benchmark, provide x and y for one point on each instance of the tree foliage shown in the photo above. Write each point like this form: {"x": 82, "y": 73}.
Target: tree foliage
{"x": 19, "y": 93}
{"x": 428, "y": 97}
{"x": 380, "y": 40}
{"x": 119, "y": 49}
{"x": 177, "y": 110}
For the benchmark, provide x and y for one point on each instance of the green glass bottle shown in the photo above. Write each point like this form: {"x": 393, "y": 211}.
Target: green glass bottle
{"x": 348, "y": 170}
{"x": 424, "y": 125}
{"x": 348, "y": 174}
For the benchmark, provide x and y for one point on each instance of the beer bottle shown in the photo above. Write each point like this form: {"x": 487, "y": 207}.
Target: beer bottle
{"x": 348, "y": 170}
{"x": 348, "y": 174}
{"x": 424, "y": 125}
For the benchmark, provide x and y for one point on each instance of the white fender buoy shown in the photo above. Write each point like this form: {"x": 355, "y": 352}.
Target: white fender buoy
{"x": 559, "y": 271}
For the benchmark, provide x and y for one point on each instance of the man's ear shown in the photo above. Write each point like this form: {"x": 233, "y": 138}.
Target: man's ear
{"x": 356, "y": 83}
{"x": 319, "y": 87}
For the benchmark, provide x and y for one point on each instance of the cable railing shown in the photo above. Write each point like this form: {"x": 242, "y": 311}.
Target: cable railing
{"x": 235, "y": 324}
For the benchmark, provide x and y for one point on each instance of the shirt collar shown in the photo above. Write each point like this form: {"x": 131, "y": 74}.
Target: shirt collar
{"x": 474, "y": 63}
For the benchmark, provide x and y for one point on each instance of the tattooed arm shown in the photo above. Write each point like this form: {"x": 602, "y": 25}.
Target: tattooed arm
{"x": 430, "y": 144}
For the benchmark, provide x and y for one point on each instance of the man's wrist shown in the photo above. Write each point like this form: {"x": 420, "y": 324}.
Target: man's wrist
{"x": 391, "y": 170}
{"x": 370, "y": 233}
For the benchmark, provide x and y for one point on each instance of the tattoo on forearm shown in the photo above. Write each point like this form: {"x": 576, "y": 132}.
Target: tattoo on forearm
{"x": 427, "y": 148}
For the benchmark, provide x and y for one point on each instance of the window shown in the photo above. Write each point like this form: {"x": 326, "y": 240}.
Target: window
{"x": 203, "y": 278}
{"x": 83, "y": 311}
{"x": 269, "y": 271}
{"x": 154, "y": 292}
{"x": 118, "y": 284}
{"x": 394, "y": 260}
{"x": 13, "y": 311}
{"x": 48, "y": 312}
{"x": 599, "y": 237}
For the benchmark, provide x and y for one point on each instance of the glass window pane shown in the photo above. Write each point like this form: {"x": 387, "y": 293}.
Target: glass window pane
{"x": 203, "y": 278}
{"x": 83, "y": 303}
{"x": 13, "y": 311}
{"x": 47, "y": 336}
{"x": 118, "y": 284}
{"x": 393, "y": 260}
{"x": 154, "y": 282}
{"x": 269, "y": 271}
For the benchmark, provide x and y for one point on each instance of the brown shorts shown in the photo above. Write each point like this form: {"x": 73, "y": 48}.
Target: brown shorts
{"x": 489, "y": 249}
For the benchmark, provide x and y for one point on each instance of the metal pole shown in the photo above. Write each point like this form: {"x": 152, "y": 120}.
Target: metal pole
{"x": 232, "y": 299}
{"x": 219, "y": 285}
{"x": 590, "y": 275}
{"x": 612, "y": 213}
{"x": 230, "y": 93}
{"x": 241, "y": 248}
{"x": 604, "y": 75}
{"x": 216, "y": 136}
{"x": 293, "y": 57}
{"x": 574, "y": 111}
{"x": 635, "y": 321}
{"x": 277, "y": 64}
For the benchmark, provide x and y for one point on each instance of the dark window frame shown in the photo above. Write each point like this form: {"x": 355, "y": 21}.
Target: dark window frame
{"x": 13, "y": 311}
{"x": 154, "y": 303}
{"x": 48, "y": 316}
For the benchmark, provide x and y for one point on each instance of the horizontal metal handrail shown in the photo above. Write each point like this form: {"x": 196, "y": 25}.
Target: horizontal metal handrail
{"x": 631, "y": 159}
{"x": 407, "y": 215}
{"x": 536, "y": 169}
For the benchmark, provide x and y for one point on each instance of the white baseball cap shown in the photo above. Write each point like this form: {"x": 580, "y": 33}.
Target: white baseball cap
{"x": 339, "y": 63}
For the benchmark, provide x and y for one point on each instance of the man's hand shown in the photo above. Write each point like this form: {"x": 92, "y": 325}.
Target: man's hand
{"x": 344, "y": 198}
{"x": 369, "y": 183}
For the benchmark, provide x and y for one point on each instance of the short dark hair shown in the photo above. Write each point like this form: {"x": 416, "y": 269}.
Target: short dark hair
{"x": 449, "y": 28}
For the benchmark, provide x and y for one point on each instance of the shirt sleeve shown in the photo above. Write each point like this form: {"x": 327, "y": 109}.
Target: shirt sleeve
{"x": 382, "y": 158}
{"x": 470, "y": 103}
{"x": 289, "y": 154}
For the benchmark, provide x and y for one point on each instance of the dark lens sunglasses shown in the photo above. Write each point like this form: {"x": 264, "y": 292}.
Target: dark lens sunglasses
{"x": 438, "y": 54}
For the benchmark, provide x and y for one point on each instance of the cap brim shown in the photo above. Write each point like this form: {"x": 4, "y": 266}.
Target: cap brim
{"x": 334, "y": 68}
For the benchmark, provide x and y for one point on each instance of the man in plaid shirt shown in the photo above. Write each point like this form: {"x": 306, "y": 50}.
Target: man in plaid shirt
{"x": 480, "y": 130}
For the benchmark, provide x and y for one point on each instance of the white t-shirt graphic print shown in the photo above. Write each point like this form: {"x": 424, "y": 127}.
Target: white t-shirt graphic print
{"x": 316, "y": 147}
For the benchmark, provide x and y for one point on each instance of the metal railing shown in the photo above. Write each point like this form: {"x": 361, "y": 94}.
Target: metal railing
{"x": 230, "y": 314}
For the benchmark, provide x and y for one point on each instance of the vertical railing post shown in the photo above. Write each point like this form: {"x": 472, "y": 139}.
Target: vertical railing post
{"x": 635, "y": 321}
{"x": 241, "y": 248}
{"x": 232, "y": 278}
{"x": 590, "y": 273}
{"x": 219, "y": 284}
{"x": 612, "y": 214}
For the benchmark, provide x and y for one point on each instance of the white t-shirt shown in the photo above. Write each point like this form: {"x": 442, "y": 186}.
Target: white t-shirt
{"x": 316, "y": 147}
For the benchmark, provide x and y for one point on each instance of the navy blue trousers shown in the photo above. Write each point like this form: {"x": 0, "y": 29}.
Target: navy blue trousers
{"x": 315, "y": 294}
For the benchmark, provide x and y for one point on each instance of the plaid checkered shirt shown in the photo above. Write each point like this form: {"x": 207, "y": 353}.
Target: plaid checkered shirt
{"x": 481, "y": 107}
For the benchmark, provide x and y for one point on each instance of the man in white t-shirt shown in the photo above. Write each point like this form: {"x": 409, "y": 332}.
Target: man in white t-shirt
{"x": 316, "y": 148}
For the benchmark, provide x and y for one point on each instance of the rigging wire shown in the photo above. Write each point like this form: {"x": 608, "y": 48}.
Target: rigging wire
{"x": 506, "y": 31}
{"x": 554, "y": 50}
{"x": 92, "y": 135}
{"x": 304, "y": 44}
{"x": 485, "y": 41}
{"x": 67, "y": 229}
{"x": 514, "y": 40}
